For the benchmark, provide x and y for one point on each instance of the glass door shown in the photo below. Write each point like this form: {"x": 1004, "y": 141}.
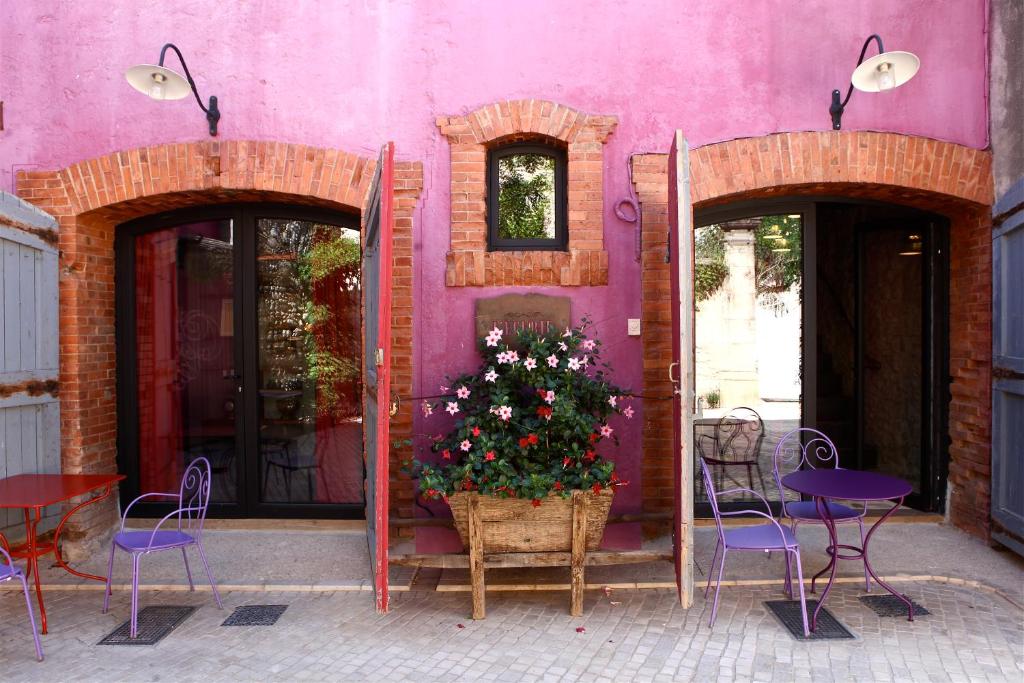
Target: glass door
{"x": 239, "y": 340}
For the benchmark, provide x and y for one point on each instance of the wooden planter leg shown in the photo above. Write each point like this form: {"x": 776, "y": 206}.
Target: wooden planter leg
{"x": 476, "y": 555}
{"x": 579, "y": 551}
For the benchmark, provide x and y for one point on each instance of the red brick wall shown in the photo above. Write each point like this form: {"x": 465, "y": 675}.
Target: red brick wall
{"x": 470, "y": 136}
{"x": 937, "y": 176}
{"x": 90, "y": 198}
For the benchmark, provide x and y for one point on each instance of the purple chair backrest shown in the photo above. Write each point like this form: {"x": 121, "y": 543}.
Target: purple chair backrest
{"x": 709, "y": 486}
{"x": 739, "y": 434}
{"x": 194, "y": 496}
{"x": 800, "y": 449}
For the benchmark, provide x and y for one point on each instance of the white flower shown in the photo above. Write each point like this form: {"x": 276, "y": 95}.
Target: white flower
{"x": 502, "y": 358}
{"x": 494, "y": 337}
{"x": 549, "y": 397}
{"x": 567, "y": 333}
{"x": 562, "y": 346}
{"x": 491, "y": 376}
{"x": 465, "y": 445}
{"x": 529, "y": 363}
{"x": 453, "y": 407}
{"x": 552, "y": 361}
{"x": 505, "y": 413}
{"x": 612, "y": 400}
{"x": 584, "y": 360}
{"x": 462, "y": 392}
{"x": 574, "y": 364}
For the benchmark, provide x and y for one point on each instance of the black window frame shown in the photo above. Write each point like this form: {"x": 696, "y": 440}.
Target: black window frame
{"x": 560, "y": 242}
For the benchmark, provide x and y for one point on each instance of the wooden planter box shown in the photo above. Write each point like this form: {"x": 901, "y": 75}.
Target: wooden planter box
{"x": 559, "y": 531}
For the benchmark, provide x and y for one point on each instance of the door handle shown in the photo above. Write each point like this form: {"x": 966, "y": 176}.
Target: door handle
{"x": 671, "y": 378}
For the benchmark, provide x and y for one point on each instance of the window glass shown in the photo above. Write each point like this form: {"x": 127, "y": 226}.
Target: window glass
{"x": 526, "y": 196}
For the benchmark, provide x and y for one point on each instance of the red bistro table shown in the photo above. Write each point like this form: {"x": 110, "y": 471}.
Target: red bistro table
{"x": 848, "y": 485}
{"x": 32, "y": 493}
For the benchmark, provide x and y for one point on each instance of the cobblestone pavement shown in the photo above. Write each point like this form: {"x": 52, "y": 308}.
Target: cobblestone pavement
{"x": 971, "y": 635}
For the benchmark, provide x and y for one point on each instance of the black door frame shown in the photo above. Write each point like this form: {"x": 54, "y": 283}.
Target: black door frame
{"x": 244, "y": 217}
{"x": 936, "y": 367}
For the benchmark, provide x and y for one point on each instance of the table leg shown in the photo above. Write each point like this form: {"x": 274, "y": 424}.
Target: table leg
{"x": 826, "y": 516}
{"x": 32, "y": 559}
{"x": 864, "y": 550}
{"x": 56, "y": 535}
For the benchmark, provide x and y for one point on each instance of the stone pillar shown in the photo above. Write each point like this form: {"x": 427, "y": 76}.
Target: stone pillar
{"x": 738, "y": 381}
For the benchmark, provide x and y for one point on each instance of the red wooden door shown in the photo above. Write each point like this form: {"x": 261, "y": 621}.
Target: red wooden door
{"x": 682, "y": 368}
{"x": 377, "y": 366}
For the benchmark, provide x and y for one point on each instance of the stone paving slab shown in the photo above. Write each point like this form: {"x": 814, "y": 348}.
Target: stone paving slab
{"x": 628, "y": 635}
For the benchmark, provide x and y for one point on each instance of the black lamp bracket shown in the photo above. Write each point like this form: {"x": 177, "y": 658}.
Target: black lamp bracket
{"x": 212, "y": 112}
{"x": 836, "y": 110}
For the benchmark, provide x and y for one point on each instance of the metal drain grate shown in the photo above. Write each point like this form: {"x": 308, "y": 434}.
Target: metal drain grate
{"x": 788, "y": 612}
{"x": 891, "y": 606}
{"x": 255, "y": 615}
{"x": 153, "y": 624}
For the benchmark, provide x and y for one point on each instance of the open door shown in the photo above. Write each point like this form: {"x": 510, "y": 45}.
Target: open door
{"x": 680, "y": 256}
{"x": 377, "y": 366}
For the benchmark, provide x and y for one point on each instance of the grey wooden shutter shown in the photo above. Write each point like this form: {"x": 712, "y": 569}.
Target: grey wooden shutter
{"x": 29, "y": 407}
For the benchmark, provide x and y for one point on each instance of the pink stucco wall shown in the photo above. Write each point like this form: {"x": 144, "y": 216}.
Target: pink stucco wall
{"x": 351, "y": 74}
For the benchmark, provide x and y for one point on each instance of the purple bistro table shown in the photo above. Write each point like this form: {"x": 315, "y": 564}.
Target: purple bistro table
{"x": 848, "y": 485}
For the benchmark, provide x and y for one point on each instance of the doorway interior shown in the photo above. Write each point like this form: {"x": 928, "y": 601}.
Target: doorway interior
{"x": 240, "y": 340}
{"x": 824, "y": 313}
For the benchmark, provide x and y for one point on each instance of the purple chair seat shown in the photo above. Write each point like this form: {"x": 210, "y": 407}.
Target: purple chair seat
{"x": 760, "y": 537}
{"x": 141, "y": 540}
{"x": 808, "y": 510}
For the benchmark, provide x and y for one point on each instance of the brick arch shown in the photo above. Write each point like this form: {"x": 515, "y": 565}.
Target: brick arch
{"x": 937, "y": 176}
{"x": 469, "y": 263}
{"x": 90, "y": 198}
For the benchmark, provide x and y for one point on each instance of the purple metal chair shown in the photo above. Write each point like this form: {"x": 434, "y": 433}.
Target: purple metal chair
{"x": 193, "y": 497}
{"x": 7, "y": 572}
{"x": 762, "y": 538}
{"x": 808, "y": 448}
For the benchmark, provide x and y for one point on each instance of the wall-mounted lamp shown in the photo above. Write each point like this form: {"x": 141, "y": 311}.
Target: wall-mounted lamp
{"x": 884, "y": 71}
{"x": 161, "y": 83}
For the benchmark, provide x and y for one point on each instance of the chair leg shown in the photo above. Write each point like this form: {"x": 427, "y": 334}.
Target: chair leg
{"x": 789, "y": 575}
{"x": 718, "y": 588}
{"x": 711, "y": 569}
{"x": 209, "y": 574}
{"x": 867, "y": 576}
{"x": 760, "y": 476}
{"x": 135, "y": 596}
{"x": 31, "y": 618}
{"x": 110, "y": 577}
{"x": 800, "y": 585}
{"x": 188, "y": 572}
{"x": 750, "y": 476}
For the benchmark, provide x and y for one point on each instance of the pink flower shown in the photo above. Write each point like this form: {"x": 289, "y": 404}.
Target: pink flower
{"x": 562, "y": 346}
{"x": 574, "y": 364}
{"x": 428, "y": 409}
{"x": 588, "y": 345}
{"x": 494, "y": 410}
{"x": 552, "y": 361}
{"x": 584, "y": 360}
{"x": 628, "y": 412}
{"x": 512, "y": 356}
{"x": 444, "y": 389}
{"x": 494, "y": 337}
{"x": 491, "y": 376}
{"x": 567, "y": 333}
{"x": 612, "y": 400}
{"x": 505, "y": 413}
{"x": 529, "y": 363}
{"x": 462, "y": 392}
{"x": 549, "y": 397}
{"x": 465, "y": 445}
{"x": 503, "y": 357}
{"x": 453, "y": 407}
{"x": 606, "y": 431}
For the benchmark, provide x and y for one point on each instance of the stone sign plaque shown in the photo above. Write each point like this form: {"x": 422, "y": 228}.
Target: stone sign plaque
{"x": 513, "y": 312}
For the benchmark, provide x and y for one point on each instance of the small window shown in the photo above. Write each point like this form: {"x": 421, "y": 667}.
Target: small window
{"x": 526, "y": 198}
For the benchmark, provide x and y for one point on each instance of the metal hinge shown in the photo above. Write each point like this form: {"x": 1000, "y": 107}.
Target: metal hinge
{"x": 379, "y": 356}
{"x": 1006, "y": 373}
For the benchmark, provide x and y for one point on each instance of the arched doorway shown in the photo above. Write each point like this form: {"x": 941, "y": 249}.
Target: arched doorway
{"x": 239, "y": 340}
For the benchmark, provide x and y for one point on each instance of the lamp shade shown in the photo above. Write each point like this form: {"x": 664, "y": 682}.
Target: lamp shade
{"x": 158, "y": 82}
{"x": 885, "y": 71}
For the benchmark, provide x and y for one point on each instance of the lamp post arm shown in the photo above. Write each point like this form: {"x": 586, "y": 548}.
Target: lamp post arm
{"x": 212, "y": 112}
{"x": 192, "y": 83}
{"x": 837, "y": 107}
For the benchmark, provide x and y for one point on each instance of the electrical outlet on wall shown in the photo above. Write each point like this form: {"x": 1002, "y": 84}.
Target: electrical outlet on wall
{"x": 633, "y": 327}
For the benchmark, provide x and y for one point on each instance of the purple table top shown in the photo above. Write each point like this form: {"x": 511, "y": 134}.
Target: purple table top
{"x": 847, "y": 484}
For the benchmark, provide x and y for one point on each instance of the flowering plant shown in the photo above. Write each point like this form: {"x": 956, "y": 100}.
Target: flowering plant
{"x": 528, "y": 422}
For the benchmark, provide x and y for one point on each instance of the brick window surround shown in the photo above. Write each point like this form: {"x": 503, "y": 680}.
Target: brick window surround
{"x": 469, "y": 263}
{"x": 941, "y": 177}
{"x": 90, "y": 198}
